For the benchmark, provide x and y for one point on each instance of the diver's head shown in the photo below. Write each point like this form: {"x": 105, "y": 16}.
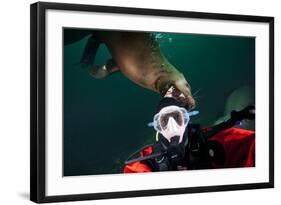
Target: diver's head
{"x": 171, "y": 119}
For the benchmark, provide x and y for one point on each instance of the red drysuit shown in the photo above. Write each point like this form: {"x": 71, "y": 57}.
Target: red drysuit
{"x": 238, "y": 144}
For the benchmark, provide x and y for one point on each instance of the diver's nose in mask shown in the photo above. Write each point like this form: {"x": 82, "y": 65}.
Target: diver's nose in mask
{"x": 172, "y": 125}
{"x": 173, "y": 129}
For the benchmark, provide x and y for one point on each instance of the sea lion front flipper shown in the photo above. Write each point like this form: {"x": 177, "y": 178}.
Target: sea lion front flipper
{"x": 88, "y": 59}
{"x": 90, "y": 51}
{"x": 101, "y": 72}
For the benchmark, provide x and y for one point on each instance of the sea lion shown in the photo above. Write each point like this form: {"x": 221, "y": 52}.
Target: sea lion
{"x": 138, "y": 56}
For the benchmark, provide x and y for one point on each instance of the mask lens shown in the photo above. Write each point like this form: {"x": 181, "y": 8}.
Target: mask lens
{"x": 156, "y": 123}
{"x": 176, "y": 115}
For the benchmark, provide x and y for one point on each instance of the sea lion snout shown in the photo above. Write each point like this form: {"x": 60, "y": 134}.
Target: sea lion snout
{"x": 174, "y": 78}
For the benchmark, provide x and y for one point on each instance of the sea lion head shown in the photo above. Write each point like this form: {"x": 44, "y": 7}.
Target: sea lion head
{"x": 176, "y": 79}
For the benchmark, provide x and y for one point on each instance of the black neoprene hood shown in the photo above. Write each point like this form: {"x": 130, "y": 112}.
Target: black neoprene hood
{"x": 168, "y": 101}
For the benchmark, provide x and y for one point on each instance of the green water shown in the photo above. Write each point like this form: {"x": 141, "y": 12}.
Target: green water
{"x": 106, "y": 120}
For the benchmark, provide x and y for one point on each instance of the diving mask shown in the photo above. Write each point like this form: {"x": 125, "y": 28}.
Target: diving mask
{"x": 171, "y": 121}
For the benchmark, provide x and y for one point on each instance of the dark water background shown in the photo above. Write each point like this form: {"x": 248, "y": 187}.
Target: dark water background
{"x": 106, "y": 120}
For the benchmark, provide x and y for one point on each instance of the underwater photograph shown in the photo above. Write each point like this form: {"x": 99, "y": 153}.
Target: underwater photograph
{"x": 137, "y": 101}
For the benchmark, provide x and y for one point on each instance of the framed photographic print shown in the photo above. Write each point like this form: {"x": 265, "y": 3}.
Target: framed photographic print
{"x": 129, "y": 102}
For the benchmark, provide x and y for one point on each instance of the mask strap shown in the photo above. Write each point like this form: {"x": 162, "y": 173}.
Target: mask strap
{"x": 194, "y": 112}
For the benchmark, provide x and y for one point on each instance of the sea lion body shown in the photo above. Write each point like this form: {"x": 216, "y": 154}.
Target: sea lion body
{"x": 138, "y": 56}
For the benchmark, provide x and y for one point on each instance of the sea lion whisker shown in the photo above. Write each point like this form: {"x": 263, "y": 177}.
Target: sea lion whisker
{"x": 197, "y": 97}
{"x": 197, "y": 91}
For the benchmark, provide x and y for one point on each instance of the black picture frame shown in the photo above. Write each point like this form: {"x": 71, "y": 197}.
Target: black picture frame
{"x": 38, "y": 100}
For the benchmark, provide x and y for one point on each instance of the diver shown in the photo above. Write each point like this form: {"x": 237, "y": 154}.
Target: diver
{"x": 181, "y": 145}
